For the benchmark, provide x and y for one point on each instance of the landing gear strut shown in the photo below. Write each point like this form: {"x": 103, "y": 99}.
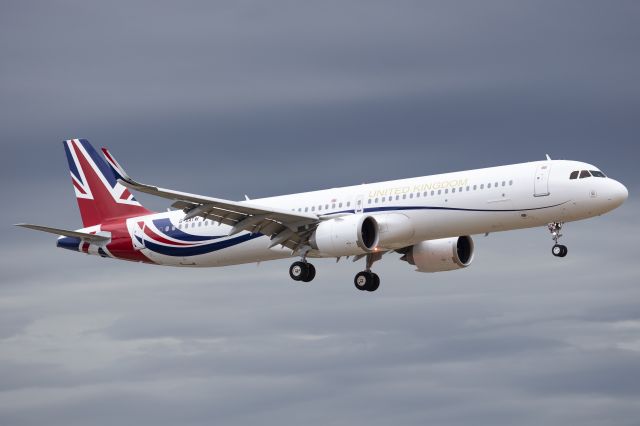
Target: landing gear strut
{"x": 558, "y": 250}
{"x": 367, "y": 280}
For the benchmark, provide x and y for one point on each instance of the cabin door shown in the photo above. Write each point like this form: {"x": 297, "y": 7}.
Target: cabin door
{"x": 541, "y": 182}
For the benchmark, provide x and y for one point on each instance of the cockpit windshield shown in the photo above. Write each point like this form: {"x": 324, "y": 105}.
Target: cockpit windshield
{"x": 582, "y": 174}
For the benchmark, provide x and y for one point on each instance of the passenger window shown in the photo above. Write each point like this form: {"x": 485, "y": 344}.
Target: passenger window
{"x": 348, "y": 203}
{"x": 404, "y": 196}
{"x": 488, "y": 185}
{"x": 467, "y": 189}
{"x": 333, "y": 206}
{"x": 510, "y": 182}
{"x": 584, "y": 174}
{"x": 433, "y": 192}
{"x": 173, "y": 228}
{"x": 340, "y": 205}
{"x": 439, "y": 191}
{"x": 453, "y": 190}
{"x": 166, "y": 229}
{"x": 326, "y": 206}
{"x": 411, "y": 195}
{"x": 574, "y": 174}
{"x": 446, "y": 191}
{"x": 425, "y": 193}
{"x": 504, "y": 183}
{"x": 482, "y": 186}
{"x": 306, "y": 209}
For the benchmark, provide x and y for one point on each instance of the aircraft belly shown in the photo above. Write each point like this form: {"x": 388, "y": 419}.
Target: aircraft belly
{"x": 252, "y": 250}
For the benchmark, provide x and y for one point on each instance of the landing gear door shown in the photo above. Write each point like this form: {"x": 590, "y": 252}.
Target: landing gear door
{"x": 359, "y": 204}
{"x": 541, "y": 181}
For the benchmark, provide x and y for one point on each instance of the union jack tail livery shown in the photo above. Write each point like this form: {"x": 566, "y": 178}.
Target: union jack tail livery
{"x": 100, "y": 196}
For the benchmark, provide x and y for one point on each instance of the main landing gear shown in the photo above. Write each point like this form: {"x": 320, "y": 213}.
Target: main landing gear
{"x": 364, "y": 280}
{"x": 367, "y": 280}
{"x": 302, "y": 271}
{"x": 558, "y": 250}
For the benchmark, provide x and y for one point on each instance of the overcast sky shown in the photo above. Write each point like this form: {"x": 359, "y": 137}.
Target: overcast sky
{"x": 265, "y": 98}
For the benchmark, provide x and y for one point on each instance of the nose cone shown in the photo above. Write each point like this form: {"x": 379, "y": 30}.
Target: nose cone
{"x": 618, "y": 193}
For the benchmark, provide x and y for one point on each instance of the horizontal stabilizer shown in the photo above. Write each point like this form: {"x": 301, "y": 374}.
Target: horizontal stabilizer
{"x": 75, "y": 234}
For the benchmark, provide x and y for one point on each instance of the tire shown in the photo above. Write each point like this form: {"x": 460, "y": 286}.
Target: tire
{"x": 556, "y": 250}
{"x": 375, "y": 283}
{"x": 311, "y": 273}
{"x": 564, "y": 251}
{"x": 298, "y": 271}
{"x": 363, "y": 280}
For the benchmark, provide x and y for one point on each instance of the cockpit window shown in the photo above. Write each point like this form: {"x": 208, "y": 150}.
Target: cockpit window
{"x": 574, "y": 174}
{"x": 597, "y": 173}
{"x": 584, "y": 174}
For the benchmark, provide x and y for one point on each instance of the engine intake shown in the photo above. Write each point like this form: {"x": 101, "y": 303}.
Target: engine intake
{"x": 444, "y": 254}
{"x": 346, "y": 236}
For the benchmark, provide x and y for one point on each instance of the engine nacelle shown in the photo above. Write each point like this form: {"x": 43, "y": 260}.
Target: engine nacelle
{"x": 445, "y": 254}
{"x": 346, "y": 236}
{"x": 395, "y": 230}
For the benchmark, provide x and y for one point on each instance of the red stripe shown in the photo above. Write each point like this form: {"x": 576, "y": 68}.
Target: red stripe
{"x": 125, "y": 195}
{"x": 150, "y": 233}
{"x": 78, "y": 187}
{"x": 106, "y": 154}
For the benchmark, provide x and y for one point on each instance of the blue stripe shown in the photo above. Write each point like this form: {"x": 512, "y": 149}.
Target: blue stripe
{"x": 69, "y": 243}
{"x": 398, "y": 208}
{"x": 202, "y": 249}
{"x": 383, "y": 209}
{"x": 177, "y": 234}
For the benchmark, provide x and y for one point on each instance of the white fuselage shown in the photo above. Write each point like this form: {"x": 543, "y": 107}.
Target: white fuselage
{"x": 438, "y": 206}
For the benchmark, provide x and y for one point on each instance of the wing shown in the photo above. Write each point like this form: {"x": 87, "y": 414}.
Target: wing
{"x": 91, "y": 238}
{"x": 290, "y": 229}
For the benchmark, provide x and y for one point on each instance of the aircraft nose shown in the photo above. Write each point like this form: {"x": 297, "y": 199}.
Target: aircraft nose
{"x": 618, "y": 193}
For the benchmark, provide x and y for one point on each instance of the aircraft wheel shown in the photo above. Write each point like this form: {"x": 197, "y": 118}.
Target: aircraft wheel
{"x": 311, "y": 273}
{"x": 559, "y": 250}
{"x": 375, "y": 283}
{"x": 366, "y": 281}
{"x": 299, "y": 271}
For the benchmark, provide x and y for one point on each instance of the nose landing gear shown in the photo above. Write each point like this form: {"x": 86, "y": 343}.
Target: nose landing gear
{"x": 558, "y": 250}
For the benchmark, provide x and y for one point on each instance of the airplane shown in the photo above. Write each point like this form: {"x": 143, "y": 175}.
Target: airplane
{"x": 428, "y": 220}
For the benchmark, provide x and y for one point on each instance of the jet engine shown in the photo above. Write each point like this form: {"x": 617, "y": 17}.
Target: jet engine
{"x": 346, "y": 236}
{"x": 444, "y": 254}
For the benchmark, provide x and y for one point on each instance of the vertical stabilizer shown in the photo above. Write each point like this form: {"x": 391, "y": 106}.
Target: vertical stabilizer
{"x": 100, "y": 196}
